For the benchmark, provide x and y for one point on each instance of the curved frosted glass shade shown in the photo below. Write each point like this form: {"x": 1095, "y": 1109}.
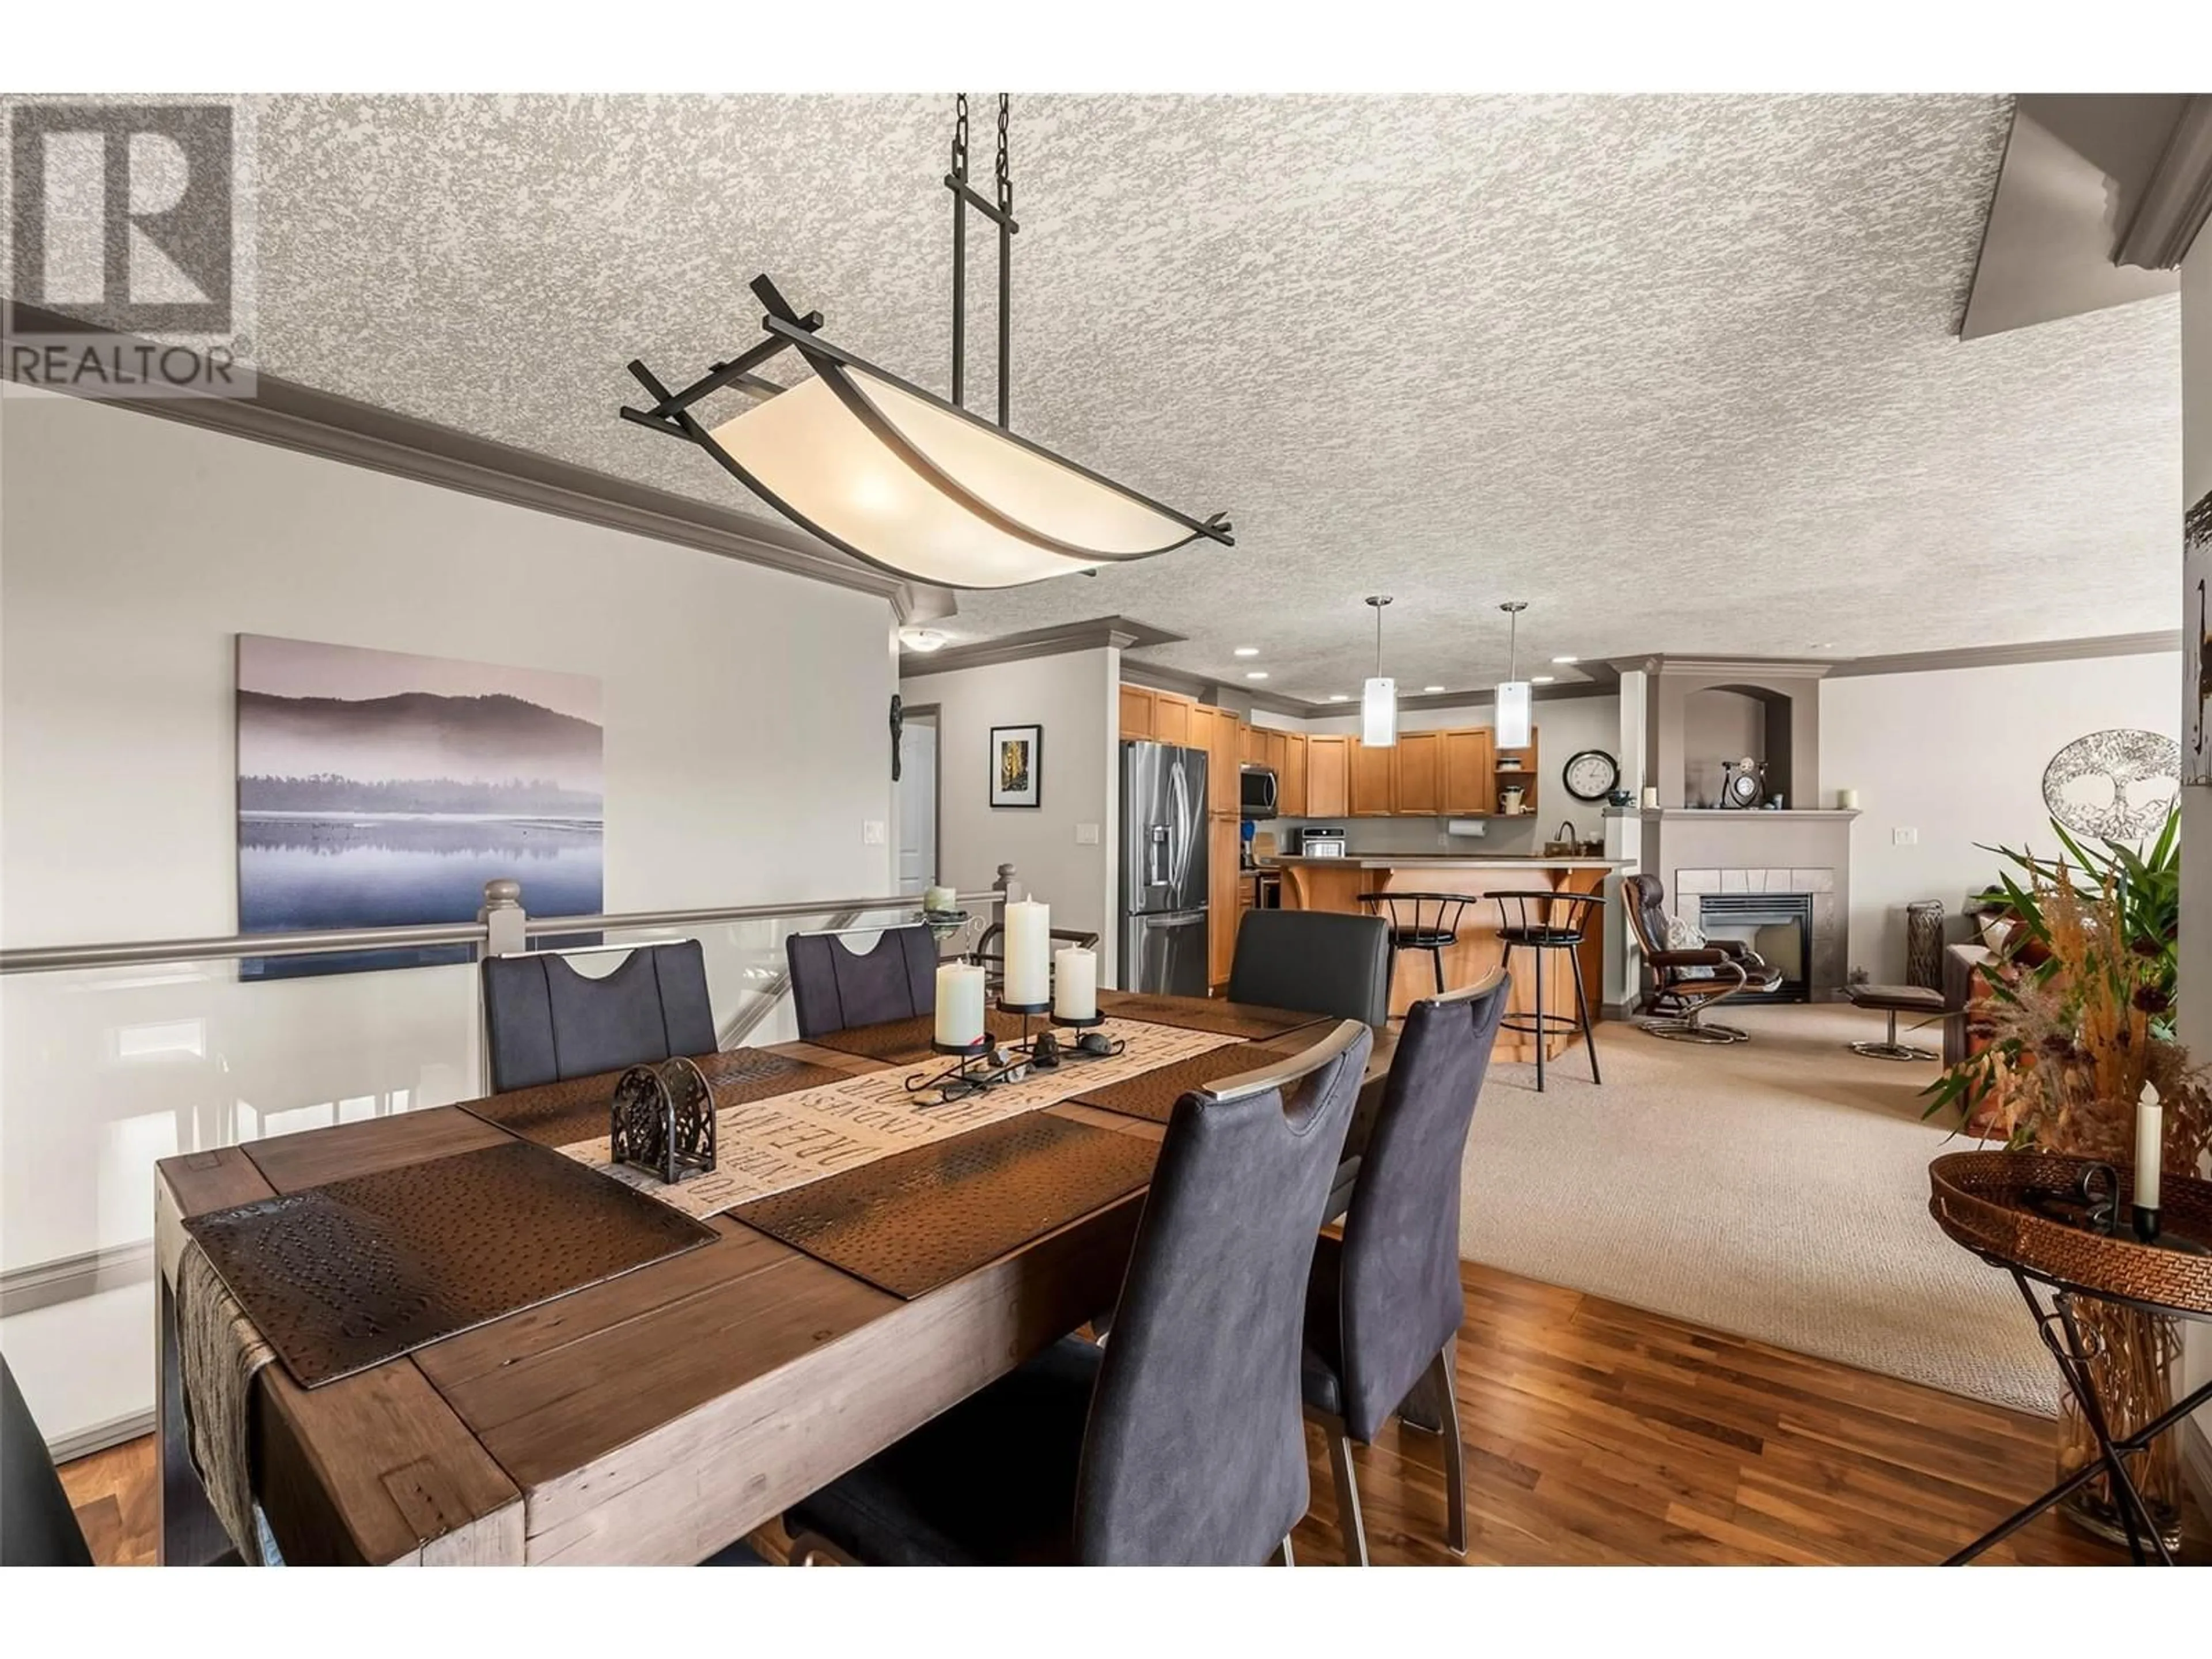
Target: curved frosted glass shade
{"x": 821, "y": 464}
{"x": 1378, "y": 713}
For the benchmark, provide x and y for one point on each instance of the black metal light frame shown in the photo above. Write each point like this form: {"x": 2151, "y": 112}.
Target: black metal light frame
{"x": 786, "y": 329}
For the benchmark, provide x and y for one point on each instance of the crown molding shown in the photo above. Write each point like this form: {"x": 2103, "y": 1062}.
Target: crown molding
{"x": 1783, "y": 668}
{"x": 1099, "y": 632}
{"x": 335, "y": 427}
{"x": 2177, "y": 200}
{"x": 2001, "y": 656}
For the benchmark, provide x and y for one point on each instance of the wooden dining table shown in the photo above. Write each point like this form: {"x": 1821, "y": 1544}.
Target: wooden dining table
{"x": 651, "y": 1417}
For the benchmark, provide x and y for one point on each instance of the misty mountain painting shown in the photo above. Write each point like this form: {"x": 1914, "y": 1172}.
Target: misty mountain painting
{"x": 376, "y": 789}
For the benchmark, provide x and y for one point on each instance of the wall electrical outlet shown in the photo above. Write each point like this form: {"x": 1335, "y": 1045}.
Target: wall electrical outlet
{"x": 1086, "y": 834}
{"x": 1903, "y": 837}
{"x": 872, "y": 833}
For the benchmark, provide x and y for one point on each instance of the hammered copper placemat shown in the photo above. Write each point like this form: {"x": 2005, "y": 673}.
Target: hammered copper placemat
{"x": 1237, "y": 1019}
{"x": 1154, "y": 1094}
{"x": 918, "y": 1219}
{"x": 902, "y": 1041}
{"x": 343, "y": 1276}
{"x": 562, "y": 1114}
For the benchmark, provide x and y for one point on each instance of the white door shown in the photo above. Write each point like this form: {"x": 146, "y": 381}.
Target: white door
{"x": 917, "y": 807}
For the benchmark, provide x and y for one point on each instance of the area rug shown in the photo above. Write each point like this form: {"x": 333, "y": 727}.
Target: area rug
{"x": 1776, "y": 1189}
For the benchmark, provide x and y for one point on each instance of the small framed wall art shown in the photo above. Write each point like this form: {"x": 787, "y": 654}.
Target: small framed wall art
{"x": 1017, "y": 766}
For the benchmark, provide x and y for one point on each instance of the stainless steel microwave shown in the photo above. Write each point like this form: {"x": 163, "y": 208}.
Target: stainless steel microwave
{"x": 1257, "y": 784}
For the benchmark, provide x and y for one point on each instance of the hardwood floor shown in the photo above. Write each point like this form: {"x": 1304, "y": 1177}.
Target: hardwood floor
{"x": 1599, "y": 1433}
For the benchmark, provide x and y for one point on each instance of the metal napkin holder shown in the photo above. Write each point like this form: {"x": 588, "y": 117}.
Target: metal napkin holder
{"x": 662, "y": 1120}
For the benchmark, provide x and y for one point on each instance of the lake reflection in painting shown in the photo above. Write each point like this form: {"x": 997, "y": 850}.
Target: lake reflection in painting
{"x": 379, "y": 790}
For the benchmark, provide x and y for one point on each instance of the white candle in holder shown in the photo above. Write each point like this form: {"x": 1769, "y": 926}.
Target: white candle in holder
{"x": 2150, "y": 1124}
{"x": 959, "y": 1005}
{"x": 1028, "y": 954}
{"x": 1075, "y": 983}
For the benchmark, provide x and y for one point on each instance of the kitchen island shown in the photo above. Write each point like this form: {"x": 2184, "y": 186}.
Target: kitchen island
{"x": 1327, "y": 883}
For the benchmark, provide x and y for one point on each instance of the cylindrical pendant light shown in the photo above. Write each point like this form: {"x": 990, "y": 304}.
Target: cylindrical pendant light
{"x": 1378, "y": 698}
{"x": 1513, "y": 692}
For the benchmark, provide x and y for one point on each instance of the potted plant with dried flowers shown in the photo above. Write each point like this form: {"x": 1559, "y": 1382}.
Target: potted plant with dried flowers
{"x": 2079, "y": 1019}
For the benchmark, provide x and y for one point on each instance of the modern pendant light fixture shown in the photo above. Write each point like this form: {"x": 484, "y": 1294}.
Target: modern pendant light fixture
{"x": 1378, "y": 698}
{"x": 1513, "y": 692}
{"x": 900, "y": 478}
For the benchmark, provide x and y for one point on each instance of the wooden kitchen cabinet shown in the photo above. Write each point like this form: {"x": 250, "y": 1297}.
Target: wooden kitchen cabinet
{"x": 1373, "y": 793}
{"x": 1223, "y": 879}
{"x": 1417, "y": 789}
{"x": 1136, "y": 714}
{"x": 1171, "y": 717}
{"x": 1525, "y": 774}
{"x": 1329, "y": 777}
{"x": 1224, "y": 796}
{"x": 1278, "y": 752}
{"x": 1291, "y": 776}
{"x": 1469, "y": 788}
{"x": 1251, "y": 746}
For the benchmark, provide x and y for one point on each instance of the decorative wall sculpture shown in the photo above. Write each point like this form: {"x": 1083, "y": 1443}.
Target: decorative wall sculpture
{"x": 376, "y": 789}
{"x": 2116, "y": 785}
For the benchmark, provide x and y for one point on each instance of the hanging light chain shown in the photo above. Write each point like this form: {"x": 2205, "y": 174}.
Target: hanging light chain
{"x": 960, "y": 137}
{"x": 1006, "y": 179}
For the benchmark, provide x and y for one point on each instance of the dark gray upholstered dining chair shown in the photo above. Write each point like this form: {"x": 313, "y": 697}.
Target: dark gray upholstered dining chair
{"x": 1178, "y": 1443}
{"x": 1314, "y": 962}
{"x": 835, "y": 988}
{"x": 38, "y": 1527}
{"x": 545, "y": 1023}
{"x": 1383, "y": 1304}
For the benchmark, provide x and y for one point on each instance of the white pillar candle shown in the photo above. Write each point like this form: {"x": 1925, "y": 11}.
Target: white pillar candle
{"x": 959, "y": 1005}
{"x": 939, "y": 899}
{"x": 1847, "y": 799}
{"x": 1029, "y": 953}
{"x": 2150, "y": 1121}
{"x": 1075, "y": 983}
{"x": 1650, "y": 797}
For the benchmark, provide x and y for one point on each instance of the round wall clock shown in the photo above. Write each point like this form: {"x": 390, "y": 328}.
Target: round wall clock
{"x": 1591, "y": 776}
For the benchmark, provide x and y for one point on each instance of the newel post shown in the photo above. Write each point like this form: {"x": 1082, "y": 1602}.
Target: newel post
{"x": 503, "y": 917}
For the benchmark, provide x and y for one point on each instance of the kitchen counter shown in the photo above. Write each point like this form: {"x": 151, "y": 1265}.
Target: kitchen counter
{"x": 1457, "y": 862}
{"x": 1339, "y": 885}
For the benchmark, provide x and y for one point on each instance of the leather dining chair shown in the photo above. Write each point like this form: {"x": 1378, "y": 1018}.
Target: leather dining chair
{"x": 1179, "y": 1442}
{"x": 545, "y": 1023}
{"x": 38, "y": 1527}
{"x": 835, "y": 988}
{"x": 1383, "y": 1304}
{"x": 1314, "y": 962}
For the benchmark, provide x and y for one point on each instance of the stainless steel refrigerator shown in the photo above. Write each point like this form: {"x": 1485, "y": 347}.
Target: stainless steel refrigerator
{"x": 1164, "y": 944}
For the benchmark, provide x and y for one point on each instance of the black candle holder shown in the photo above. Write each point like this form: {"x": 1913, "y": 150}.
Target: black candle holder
{"x": 977, "y": 1066}
{"x": 1092, "y": 1044}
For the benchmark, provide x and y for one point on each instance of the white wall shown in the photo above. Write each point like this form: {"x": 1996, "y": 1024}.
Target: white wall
{"x": 746, "y": 746}
{"x": 1074, "y": 696}
{"x": 2195, "y": 977}
{"x": 1958, "y": 757}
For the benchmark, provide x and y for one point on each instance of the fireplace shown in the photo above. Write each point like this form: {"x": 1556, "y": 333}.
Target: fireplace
{"x": 1777, "y": 925}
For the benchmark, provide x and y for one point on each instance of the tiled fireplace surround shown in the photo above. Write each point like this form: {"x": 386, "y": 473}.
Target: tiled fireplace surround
{"x": 1689, "y": 888}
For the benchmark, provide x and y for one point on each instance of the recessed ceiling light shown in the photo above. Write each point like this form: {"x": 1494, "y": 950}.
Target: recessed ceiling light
{"x": 921, "y": 639}
{"x": 1426, "y": 689}
{"x": 1338, "y": 696}
{"x": 1255, "y": 674}
{"x": 1541, "y": 679}
{"x": 1567, "y": 660}
{"x": 1246, "y": 651}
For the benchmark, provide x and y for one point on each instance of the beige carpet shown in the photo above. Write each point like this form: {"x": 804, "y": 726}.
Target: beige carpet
{"x": 1777, "y": 1189}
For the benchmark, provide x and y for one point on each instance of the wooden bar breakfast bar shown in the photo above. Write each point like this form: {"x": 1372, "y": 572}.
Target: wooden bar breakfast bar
{"x": 1335, "y": 884}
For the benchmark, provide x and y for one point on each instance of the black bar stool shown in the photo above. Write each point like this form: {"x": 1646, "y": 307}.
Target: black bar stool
{"x": 1549, "y": 922}
{"x": 1421, "y": 921}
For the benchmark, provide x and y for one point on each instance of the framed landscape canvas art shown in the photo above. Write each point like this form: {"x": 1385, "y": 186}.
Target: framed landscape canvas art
{"x": 377, "y": 789}
{"x": 1017, "y": 766}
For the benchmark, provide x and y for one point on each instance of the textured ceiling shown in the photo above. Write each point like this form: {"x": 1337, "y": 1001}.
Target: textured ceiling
{"x": 1680, "y": 372}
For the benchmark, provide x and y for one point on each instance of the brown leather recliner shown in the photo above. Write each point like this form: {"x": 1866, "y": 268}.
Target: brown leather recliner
{"x": 1680, "y": 996}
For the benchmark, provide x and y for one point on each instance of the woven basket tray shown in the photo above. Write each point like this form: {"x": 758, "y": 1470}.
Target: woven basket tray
{"x": 1986, "y": 1201}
